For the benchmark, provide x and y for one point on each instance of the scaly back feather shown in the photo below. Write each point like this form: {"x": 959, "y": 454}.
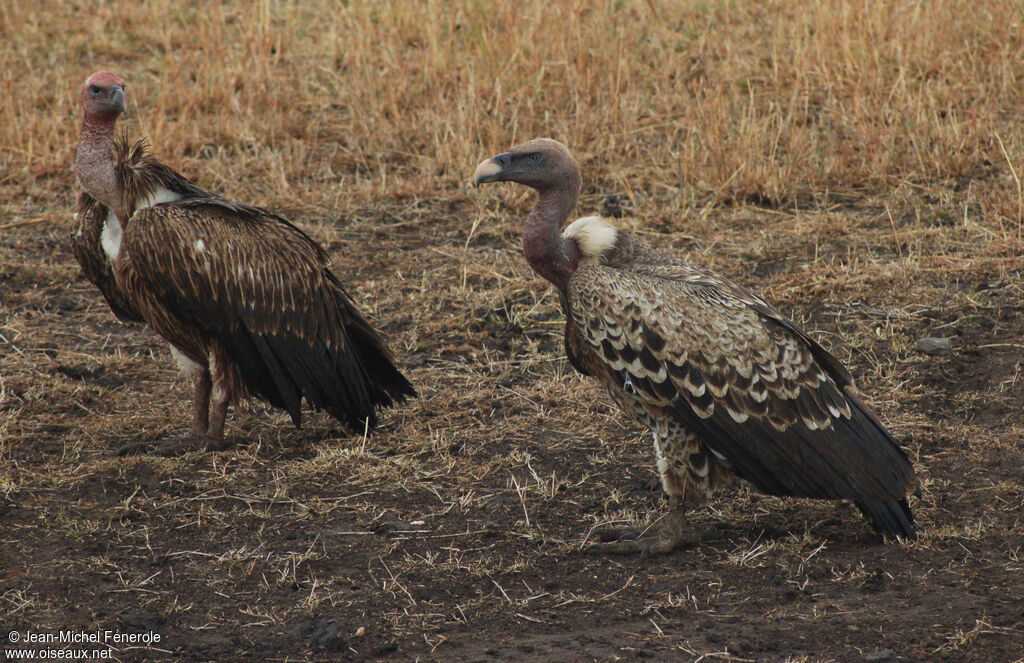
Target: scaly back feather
{"x": 753, "y": 385}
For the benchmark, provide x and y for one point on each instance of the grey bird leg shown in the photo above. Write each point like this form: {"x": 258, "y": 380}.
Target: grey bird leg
{"x": 207, "y": 431}
{"x": 214, "y": 437}
{"x": 209, "y": 411}
{"x": 660, "y": 538}
{"x": 201, "y": 404}
{"x": 196, "y": 437}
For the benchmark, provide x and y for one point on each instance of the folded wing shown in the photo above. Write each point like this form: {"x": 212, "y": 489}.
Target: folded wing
{"x": 754, "y": 386}
{"x": 86, "y": 238}
{"x": 262, "y": 289}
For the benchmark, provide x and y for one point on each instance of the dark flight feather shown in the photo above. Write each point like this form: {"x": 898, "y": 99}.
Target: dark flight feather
{"x": 262, "y": 289}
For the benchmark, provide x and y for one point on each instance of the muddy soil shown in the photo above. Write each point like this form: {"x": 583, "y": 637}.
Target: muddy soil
{"x": 456, "y": 532}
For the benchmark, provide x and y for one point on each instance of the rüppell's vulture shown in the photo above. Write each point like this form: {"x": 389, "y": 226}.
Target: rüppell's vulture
{"x": 726, "y": 383}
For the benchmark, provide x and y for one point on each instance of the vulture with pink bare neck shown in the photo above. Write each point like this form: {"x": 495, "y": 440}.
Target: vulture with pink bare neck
{"x": 726, "y": 383}
{"x": 246, "y": 300}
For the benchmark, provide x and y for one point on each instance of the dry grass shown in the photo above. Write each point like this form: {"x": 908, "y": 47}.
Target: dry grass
{"x": 859, "y": 163}
{"x": 363, "y": 102}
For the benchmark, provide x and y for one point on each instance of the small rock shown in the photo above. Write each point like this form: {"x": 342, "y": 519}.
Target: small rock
{"x": 934, "y": 346}
{"x": 880, "y": 655}
{"x": 324, "y": 634}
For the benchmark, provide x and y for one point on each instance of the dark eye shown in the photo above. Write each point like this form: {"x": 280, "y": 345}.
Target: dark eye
{"x": 94, "y": 90}
{"x": 535, "y": 157}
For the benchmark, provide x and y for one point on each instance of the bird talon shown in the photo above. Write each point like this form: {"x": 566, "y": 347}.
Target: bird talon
{"x": 645, "y": 546}
{"x": 180, "y": 445}
{"x": 216, "y": 444}
{"x": 137, "y": 447}
{"x": 175, "y": 446}
{"x": 610, "y": 534}
{"x": 661, "y": 537}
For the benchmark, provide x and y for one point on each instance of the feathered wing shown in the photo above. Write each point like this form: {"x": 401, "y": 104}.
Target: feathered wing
{"x": 751, "y": 384}
{"x": 262, "y": 289}
{"x": 86, "y": 238}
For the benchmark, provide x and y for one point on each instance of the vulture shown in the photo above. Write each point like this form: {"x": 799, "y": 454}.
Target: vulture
{"x": 728, "y": 386}
{"x": 246, "y": 300}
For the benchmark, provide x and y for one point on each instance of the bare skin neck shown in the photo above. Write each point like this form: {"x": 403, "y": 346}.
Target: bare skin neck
{"x": 94, "y": 161}
{"x": 549, "y": 254}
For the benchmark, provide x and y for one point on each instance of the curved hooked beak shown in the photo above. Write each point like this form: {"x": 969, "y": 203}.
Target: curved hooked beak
{"x": 492, "y": 170}
{"x": 119, "y": 100}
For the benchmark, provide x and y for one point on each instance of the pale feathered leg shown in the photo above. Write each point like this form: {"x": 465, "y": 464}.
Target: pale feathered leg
{"x": 209, "y": 411}
{"x": 686, "y": 472}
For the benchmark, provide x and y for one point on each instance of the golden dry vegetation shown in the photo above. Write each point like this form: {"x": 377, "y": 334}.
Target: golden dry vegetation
{"x": 857, "y": 163}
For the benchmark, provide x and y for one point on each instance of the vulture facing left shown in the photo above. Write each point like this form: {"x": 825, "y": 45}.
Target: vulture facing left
{"x": 246, "y": 300}
{"x": 726, "y": 383}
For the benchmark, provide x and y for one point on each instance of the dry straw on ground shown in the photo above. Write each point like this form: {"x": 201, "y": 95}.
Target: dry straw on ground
{"x": 858, "y": 163}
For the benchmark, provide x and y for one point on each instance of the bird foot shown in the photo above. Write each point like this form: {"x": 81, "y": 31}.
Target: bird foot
{"x": 174, "y": 446}
{"x": 643, "y": 545}
{"x": 660, "y": 538}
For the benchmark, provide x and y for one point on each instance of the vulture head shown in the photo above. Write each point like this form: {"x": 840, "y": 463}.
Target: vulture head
{"x": 542, "y": 164}
{"x": 103, "y": 96}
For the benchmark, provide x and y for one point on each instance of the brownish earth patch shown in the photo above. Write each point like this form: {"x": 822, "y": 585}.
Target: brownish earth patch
{"x": 455, "y": 532}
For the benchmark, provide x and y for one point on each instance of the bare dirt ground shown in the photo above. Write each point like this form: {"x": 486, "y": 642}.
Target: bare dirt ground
{"x": 455, "y": 532}
{"x": 857, "y": 163}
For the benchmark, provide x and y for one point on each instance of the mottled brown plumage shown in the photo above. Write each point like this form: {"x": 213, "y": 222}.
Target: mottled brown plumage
{"x": 725, "y": 382}
{"x": 246, "y": 299}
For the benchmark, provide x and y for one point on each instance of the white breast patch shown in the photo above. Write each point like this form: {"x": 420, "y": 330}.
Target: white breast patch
{"x": 110, "y": 238}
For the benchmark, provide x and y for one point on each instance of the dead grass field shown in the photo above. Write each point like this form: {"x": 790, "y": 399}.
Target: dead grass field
{"x": 858, "y": 163}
